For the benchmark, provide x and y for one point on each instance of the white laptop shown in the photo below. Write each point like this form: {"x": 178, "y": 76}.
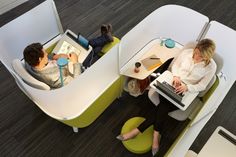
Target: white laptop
{"x": 70, "y": 42}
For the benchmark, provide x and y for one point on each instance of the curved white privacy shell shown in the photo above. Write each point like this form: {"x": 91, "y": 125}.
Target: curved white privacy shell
{"x": 40, "y": 24}
{"x": 170, "y": 21}
{"x": 224, "y": 38}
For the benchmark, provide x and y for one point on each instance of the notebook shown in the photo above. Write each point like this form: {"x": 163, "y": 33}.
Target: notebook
{"x": 151, "y": 62}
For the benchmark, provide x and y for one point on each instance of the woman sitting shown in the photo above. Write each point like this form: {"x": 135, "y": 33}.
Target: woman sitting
{"x": 195, "y": 67}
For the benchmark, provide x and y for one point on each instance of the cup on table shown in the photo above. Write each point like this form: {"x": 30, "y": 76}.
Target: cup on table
{"x": 137, "y": 67}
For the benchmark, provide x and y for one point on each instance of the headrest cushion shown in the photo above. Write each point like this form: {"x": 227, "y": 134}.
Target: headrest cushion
{"x": 30, "y": 80}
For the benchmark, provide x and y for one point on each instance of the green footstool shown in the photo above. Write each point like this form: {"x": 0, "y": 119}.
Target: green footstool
{"x": 142, "y": 143}
{"x": 108, "y": 46}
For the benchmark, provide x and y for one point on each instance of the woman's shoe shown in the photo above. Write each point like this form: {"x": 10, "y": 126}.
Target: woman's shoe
{"x": 120, "y": 137}
{"x": 154, "y": 151}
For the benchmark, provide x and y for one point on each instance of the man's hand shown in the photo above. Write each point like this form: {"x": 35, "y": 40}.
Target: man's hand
{"x": 57, "y": 56}
{"x": 73, "y": 57}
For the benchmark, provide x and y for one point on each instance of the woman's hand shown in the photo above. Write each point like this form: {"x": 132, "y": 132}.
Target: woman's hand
{"x": 73, "y": 57}
{"x": 176, "y": 81}
{"x": 181, "y": 89}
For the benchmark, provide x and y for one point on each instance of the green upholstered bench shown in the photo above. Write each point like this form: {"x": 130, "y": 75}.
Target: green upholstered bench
{"x": 210, "y": 91}
{"x": 142, "y": 143}
{"x": 108, "y": 46}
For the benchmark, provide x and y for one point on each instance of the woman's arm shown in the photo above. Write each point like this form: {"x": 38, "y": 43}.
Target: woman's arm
{"x": 202, "y": 84}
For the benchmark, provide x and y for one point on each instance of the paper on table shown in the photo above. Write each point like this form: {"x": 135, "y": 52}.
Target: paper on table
{"x": 151, "y": 62}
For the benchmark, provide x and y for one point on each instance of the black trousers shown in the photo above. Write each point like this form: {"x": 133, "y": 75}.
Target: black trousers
{"x": 97, "y": 44}
{"x": 157, "y": 115}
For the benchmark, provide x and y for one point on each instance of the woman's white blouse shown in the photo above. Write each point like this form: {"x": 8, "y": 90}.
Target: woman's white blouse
{"x": 195, "y": 75}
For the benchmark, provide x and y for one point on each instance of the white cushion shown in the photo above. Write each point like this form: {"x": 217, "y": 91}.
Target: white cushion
{"x": 21, "y": 71}
{"x": 189, "y": 112}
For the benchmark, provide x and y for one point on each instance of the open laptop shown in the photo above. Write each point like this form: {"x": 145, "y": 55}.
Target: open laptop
{"x": 70, "y": 42}
{"x": 169, "y": 90}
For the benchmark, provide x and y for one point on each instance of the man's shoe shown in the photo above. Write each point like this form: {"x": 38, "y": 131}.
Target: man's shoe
{"x": 109, "y": 37}
{"x": 109, "y": 27}
{"x": 104, "y": 29}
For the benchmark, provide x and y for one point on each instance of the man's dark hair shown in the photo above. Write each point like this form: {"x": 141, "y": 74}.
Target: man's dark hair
{"x": 32, "y": 53}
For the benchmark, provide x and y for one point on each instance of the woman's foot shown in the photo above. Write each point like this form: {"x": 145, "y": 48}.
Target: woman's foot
{"x": 128, "y": 135}
{"x": 155, "y": 142}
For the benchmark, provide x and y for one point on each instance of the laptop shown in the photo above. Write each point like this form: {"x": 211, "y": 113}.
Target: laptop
{"x": 70, "y": 42}
{"x": 169, "y": 90}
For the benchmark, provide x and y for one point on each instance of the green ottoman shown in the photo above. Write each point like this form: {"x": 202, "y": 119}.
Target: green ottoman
{"x": 108, "y": 46}
{"x": 142, "y": 143}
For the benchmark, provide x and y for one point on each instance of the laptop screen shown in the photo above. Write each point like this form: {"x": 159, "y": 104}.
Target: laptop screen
{"x": 83, "y": 42}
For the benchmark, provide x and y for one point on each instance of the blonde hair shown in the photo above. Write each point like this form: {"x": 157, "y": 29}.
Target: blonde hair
{"x": 207, "y": 48}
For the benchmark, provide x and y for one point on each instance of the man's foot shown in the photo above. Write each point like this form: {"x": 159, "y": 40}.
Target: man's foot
{"x": 109, "y": 37}
{"x": 155, "y": 142}
{"x": 104, "y": 29}
{"x": 109, "y": 34}
{"x": 109, "y": 27}
{"x": 128, "y": 135}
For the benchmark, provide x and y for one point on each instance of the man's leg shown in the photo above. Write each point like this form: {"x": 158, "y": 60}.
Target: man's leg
{"x": 100, "y": 41}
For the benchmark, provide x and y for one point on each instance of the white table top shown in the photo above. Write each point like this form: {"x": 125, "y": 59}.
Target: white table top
{"x": 153, "y": 47}
{"x": 187, "y": 98}
{"x": 222, "y": 143}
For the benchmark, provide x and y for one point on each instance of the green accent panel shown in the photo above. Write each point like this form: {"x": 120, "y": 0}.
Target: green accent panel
{"x": 176, "y": 140}
{"x": 142, "y": 143}
{"x": 108, "y": 46}
{"x": 210, "y": 91}
{"x": 50, "y": 48}
{"x": 98, "y": 106}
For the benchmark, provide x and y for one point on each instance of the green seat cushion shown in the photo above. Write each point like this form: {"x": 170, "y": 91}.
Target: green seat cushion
{"x": 50, "y": 48}
{"x": 142, "y": 143}
{"x": 108, "y": 46}
{"x": 210, "y": 91}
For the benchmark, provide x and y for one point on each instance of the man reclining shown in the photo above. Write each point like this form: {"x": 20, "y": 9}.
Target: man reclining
{"x": 45, "y": 68}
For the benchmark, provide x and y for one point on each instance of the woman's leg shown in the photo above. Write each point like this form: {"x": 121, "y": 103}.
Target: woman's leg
{"x": 149, "y": 120}
{"x": 162, "y": 111}
{"x": 155, "y": 142}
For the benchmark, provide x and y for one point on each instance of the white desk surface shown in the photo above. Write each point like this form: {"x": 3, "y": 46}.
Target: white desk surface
{"x": 80, "y": 51}
{"x": 219, "y": 146}
{"x": 153, "y": 47}
{"x": 168, "y": 77}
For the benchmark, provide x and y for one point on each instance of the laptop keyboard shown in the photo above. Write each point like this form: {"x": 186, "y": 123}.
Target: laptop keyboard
{"x": 169, "y": 91}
